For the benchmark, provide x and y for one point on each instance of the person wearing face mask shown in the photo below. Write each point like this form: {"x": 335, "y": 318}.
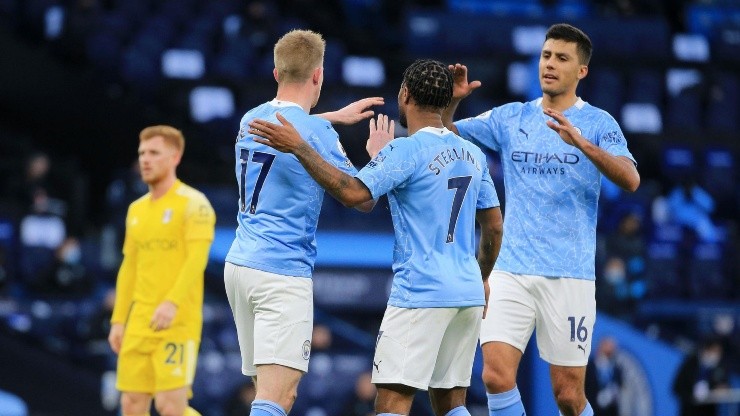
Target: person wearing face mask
{"x": 604, "y": 379}
{"x": 699, "y": 376}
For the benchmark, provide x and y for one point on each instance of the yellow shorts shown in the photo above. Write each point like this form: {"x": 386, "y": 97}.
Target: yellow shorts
{"x": 152, "y": 364}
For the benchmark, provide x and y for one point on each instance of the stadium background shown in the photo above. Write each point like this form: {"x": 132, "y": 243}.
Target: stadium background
{"x": 80, "y": 78}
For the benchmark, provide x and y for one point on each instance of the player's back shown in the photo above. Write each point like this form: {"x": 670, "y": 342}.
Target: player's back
{"x": 433, "y": 211}
{"x": 279, "y": 203}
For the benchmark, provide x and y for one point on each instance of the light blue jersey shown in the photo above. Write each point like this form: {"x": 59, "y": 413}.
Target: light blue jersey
{"x": 552, "y": 189}
{"x": 435, "y": 182}
{"x": 279, "y": 202}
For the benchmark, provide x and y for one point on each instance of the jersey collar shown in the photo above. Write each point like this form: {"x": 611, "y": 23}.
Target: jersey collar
{"x": 579, "y": 103}
{"x": 435, "y": 130}
{"x": 282, "y": 103}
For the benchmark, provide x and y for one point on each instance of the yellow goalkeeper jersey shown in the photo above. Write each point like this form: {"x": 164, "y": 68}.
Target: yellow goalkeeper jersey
{"x": 165, "y": 254}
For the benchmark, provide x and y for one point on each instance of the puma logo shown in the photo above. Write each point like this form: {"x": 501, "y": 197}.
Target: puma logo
{"x": 580, "y": 347}
{"x": 525, "y": 133}
{"x": 376, "y": 365}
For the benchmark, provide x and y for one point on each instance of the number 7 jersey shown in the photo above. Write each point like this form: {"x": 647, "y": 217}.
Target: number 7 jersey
{"x": 279, "y": 202}
{"x": 435, "y": 181}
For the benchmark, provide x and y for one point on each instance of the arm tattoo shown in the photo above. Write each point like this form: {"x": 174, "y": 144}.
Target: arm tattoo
{"x": 336, "y": 182}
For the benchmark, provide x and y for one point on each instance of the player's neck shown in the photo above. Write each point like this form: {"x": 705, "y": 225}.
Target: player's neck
{"x": 300, "y": 94}
{"x": 560, "y": 102}
{"x": 158, "y": 189}
{"x": 417, "y": 120}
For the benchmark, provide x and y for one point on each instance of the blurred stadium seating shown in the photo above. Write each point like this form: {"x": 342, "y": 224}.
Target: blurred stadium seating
{"x": 81, "y": 77}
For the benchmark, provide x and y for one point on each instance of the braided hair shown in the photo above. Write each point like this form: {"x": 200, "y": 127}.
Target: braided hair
{"x": 429, "y": 83}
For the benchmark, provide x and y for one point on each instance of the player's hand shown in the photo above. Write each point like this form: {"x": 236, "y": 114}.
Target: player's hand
{"x": 461, "y": 88}
{"x": 163, "y": 316}
{"x": 283, "y": 137}
{"x": 354, "y": 112}
{"x": 381, "y": 133}
{"x": 487, "y": 292}
{"x": 115, "y": 337}
{"x": 563, "y": 127}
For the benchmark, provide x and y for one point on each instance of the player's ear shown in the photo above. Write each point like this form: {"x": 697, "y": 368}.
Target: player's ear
{"x": 275, "y": 75}
{"x": 316, "y": 78}
{"x": 582, "y": 72}
{"x": 405, "y": 96}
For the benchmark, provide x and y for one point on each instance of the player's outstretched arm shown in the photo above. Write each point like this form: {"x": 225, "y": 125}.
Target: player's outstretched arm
{"x": 354, "y": 112}
{"x": 461, "y": 88}
{"x": 618, "y": 169}
{"x": 492, "y": 230}
{"x": 348, "y": 190}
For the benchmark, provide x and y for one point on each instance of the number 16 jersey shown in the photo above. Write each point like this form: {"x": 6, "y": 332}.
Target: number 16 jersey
{"x": 279, "y": 202}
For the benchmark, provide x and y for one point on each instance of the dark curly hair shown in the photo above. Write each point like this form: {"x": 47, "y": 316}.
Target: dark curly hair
{"x": 429, "y": 83}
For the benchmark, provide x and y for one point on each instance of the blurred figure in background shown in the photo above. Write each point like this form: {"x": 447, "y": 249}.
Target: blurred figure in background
{"x": 604, "y": 379}
{"x": 240, "y": 402}
{"x": 159, "y": 289}
{"x": 700, "y": 375}
{"x": 362, "y": 403}
{"x": 691, "y": 206}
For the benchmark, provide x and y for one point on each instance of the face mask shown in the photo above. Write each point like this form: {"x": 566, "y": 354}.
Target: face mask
{"x": 710, "y": 359}
{"x": 72, "y": 255}
{"x": 614, "y": 275}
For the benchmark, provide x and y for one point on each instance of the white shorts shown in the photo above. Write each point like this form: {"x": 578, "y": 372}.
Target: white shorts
{"x": 562, "y": 309}
{"x": 427, "y": 347}
{"x": 273, "y": 315}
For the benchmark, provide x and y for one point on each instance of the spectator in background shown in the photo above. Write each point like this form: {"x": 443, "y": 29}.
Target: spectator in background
{"x": 604, "y": 379}
{"x": 42, "y": 233}
{"x": 50, "y": 189}
{"x": 122, "y": 191}
{"x": 94, "y": 332}
{"x": 628, "y": 242}
{"x": 624, "y": 267}
{"x": 67, "y": 273}
{"x": 613, "y": 291}
{"x": 240, "y": 402}
{"x": 36, "y": 176}
{"x": 700, "y": 375}
{"x": 691, "y": 206}
{"x": 362, "y": 402}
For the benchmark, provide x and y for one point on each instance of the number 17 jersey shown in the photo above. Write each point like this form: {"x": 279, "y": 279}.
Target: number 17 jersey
{"x": 279, "y": 202}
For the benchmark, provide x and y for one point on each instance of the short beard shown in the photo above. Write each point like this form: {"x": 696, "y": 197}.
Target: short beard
{"x": 402, "y": 119}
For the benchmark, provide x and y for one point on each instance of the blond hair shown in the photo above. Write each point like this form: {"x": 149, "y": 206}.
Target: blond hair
{"x": 297, "y": 54}
{"x": 171, "y": 136}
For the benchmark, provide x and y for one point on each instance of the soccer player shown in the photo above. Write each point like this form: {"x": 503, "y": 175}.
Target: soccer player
{"x": 157, "y": 318}
{"x": 438, "y": 185}
{"x": 553, "y": 152}
{"x": 267, "y": 274}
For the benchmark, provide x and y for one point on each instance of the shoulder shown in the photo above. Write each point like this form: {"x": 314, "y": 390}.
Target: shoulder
{"x": 319, "y": 126}
{"x": 407, "y": 144}
{"x": 193, "y": 196}
{"x": 139, "y": 203}
{"x": 505, "y": 111}
{"x": 597, "y": 114}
